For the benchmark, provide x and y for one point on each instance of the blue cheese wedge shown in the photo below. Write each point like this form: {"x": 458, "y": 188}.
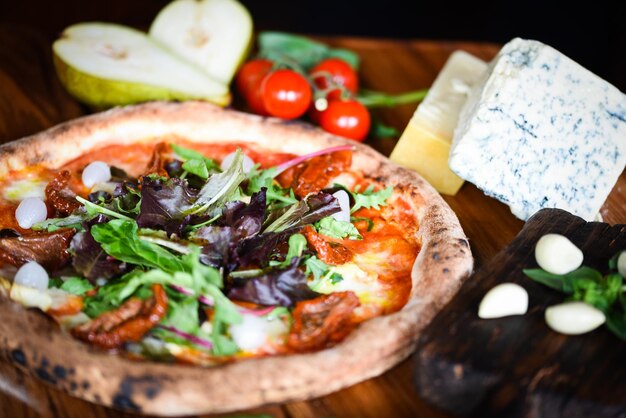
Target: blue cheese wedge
{"x": 540, "y": 131}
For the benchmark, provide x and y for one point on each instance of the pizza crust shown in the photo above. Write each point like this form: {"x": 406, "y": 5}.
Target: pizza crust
{"x": 163, "y": 389}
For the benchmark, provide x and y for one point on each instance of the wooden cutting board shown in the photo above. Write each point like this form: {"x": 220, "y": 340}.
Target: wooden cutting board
{"x": 516, "y": 366}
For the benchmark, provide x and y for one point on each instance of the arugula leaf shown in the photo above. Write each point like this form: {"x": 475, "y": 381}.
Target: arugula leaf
{"x": 120, "y": 239}
{"x": 220, "y": 186}
{"x": 333, "y": 228}
{"x": 183, "y": 315}
{"x": 72, "y": 221}
{"x": 297, "y": 245}
{"x": 324, "y": 276}
{"x": 197, "y": 167}
{"x": 225, "y": 313}
{"x": 94, "y": 209}
{"x": 107, "y": 296}
{"x": 76, "y": 286}
{"x": 371, "y": 199}
{"x": 195, "y": 162}
{"x": 258, "y": 178}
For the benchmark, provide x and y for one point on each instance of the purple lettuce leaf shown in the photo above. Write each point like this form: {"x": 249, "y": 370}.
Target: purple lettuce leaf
{"x": 90, "y": 259}
{"x": 279, "y": 287}
{"x": 218, "y": 249}
{"x": 163, "y": 204}
{"x": 257, "y": 250}
{"x": 239, "y": 222}
{"x": 246, "y": 220}
{"x": 307, "y": 211}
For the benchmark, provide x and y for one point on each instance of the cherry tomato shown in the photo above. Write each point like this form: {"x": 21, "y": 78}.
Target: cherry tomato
{"x": 248, "y": 82}
{"x": 347, "y": 118}
{"x": 286, "y": 94}
{"x": 340, "y": 72}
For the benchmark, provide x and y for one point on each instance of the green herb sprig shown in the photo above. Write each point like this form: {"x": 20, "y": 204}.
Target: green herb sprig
{"x": 604, "y": 292}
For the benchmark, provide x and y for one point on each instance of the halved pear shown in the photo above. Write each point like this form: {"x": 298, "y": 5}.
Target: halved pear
{"x": 215, "y": 35}
{"x": 105, "y": 65}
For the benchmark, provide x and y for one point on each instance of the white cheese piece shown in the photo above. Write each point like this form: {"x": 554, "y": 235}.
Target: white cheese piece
{"x": 541, "y": 131}
{"x": 425, "y": 143}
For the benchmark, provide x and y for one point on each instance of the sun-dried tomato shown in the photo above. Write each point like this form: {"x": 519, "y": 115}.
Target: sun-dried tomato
{"x": 322, "y": 321}
{"x": 315, "y": 174}
{"x": 46, "y": 248}
{"x": 128, "y": 323}
{"x": 60, "y": 196}
{"x": 157, "y": 161}
{"x": 332, "y": 253}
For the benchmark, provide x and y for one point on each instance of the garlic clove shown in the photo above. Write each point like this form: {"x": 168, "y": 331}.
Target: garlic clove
{"x": 503, "y": 300}
{"x": 621, "y": 264}
{"x": 574, "y": 318}
{"x": 557, "y": 255}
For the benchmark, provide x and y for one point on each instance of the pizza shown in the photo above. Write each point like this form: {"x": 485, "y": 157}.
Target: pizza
{"x": 190, "y": 259}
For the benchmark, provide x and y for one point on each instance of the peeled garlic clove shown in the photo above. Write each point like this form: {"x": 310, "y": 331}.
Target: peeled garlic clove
{"x": 557, "y": 255}
{"x": 574, "y": 318}
{"x": 621, "y": 264}
{"x": 503, "y": 300}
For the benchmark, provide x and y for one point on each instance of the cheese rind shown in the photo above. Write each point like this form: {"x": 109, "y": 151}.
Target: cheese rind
{"x": 541, "y": 131}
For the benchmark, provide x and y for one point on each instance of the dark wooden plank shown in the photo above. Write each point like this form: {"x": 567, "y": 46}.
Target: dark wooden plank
{"x": 517, "y": 366}
{"x": 31, "y": 96}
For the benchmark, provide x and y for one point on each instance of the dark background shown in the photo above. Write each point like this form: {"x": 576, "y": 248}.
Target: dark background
{"x": 594, "y": 35}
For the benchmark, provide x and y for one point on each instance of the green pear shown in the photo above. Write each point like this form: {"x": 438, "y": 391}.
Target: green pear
{"x": 103, "y": 65}
{"x": 215, "y": 35}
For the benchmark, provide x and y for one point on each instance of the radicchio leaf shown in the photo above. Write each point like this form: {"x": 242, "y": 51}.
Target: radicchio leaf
{"x": 280, "y": 287}
{"x": 90, "y": 259}
{"x": 163, "y": 203}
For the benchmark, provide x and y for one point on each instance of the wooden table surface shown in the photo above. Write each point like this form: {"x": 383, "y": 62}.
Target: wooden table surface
{"x": 31, "y": 99}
